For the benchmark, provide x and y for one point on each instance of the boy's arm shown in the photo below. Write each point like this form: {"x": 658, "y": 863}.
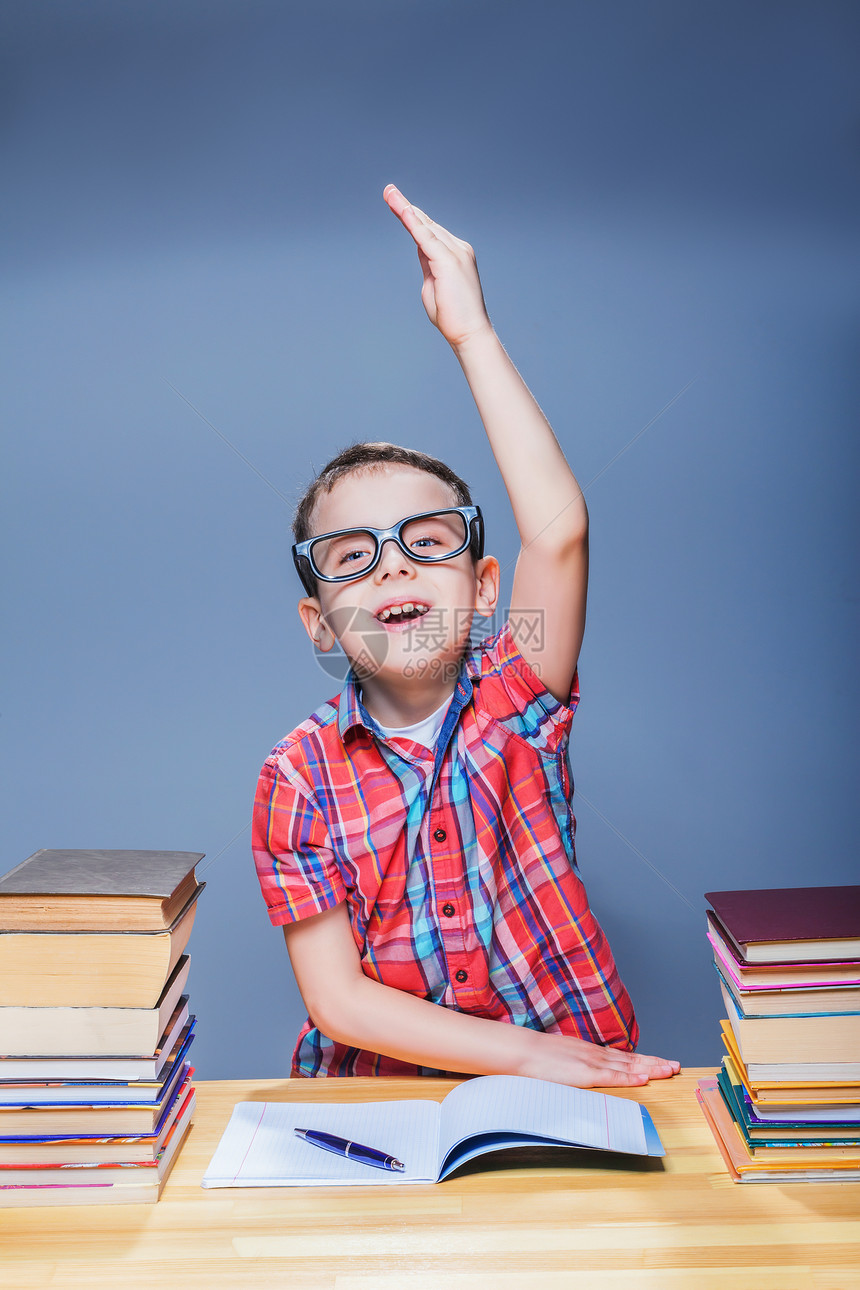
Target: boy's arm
{"x": 551, "y": 578}
{"x": 353, "y": 1009}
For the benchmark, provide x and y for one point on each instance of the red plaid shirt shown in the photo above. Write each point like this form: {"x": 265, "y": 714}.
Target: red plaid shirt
{"x": 457, "y": 864}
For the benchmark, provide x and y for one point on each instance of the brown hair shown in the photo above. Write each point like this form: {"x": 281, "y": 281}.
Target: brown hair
{"x": 366, "y": 456}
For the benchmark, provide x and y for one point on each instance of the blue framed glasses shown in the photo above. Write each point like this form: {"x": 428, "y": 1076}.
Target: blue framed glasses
{"x": 427, "y": 538}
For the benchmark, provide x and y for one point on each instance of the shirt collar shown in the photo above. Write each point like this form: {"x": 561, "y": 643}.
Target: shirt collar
{"x": 352, "y": 713}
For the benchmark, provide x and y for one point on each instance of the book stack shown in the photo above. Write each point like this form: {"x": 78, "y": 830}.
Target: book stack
{"x": 96, "y": 1095}
{"x": 786, "y": 1104}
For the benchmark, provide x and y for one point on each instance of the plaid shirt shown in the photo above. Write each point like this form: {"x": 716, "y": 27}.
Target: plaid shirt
{"x": 457, "y": 865}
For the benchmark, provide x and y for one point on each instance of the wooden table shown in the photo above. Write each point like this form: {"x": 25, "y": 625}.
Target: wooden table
{"x": 614, "y": 1223}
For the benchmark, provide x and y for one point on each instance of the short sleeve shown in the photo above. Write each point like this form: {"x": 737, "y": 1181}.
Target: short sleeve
{"x": 295, "y": 863}
{"x": 512, "y": 693}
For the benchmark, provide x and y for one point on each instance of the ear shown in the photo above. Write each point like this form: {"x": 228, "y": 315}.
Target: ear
{"x": 311, "y": 614}
{"x": 488, "y": 577}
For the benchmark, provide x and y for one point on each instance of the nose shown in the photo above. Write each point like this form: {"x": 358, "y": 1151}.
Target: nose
{"x": 392, "y": 561}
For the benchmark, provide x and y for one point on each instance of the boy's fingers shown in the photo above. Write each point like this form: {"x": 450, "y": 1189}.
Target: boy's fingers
{"x": 418, "y": 228}
{"x": 658, "y": 1061}
{"x": 636, "y": 1073}
{"x": 392, "y": 195}
{"x": 438, "y": 229}
{"x": 417, "y": 222}
{"x": 616, "y": 1078}
{"x": 444, "y": 234}
{"x": 424, "y": 262}
{"x": 658, "y": 1069}
{"x": 399, "y": 206}
{"x": 635, "y": 1068}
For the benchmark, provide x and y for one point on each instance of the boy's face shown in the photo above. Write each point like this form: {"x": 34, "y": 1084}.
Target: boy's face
{"x": 408, "y": 647}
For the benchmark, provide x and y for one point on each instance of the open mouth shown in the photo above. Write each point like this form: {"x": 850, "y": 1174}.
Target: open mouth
{"x": 404, "y": 613}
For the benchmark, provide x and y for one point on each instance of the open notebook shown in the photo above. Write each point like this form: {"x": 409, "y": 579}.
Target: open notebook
{"x": 260, "y": 1149}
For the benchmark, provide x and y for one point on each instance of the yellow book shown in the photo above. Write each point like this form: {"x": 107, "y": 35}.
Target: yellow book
{"x": 788, "y": 1092}
{"x": 91, "y": 969}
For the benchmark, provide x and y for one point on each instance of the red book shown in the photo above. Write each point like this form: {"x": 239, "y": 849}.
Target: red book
{"x": 791, "y": 924}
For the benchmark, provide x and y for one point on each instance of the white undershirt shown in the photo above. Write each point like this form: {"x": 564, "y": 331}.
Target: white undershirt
{"x": 424, "y": 732}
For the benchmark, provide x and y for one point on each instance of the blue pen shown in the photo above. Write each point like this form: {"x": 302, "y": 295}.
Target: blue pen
{"x": 350, "y": 1150}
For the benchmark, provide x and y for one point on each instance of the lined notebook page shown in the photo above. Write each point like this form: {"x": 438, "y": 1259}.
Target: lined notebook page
{"x": 500, "y": 1104}
{"x": 260, "y": 1149}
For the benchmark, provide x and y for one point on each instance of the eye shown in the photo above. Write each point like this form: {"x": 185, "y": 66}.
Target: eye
{"x": 347, "y": 557}
{"x": 427, "y": 540}
{"x": 434, "y": 535}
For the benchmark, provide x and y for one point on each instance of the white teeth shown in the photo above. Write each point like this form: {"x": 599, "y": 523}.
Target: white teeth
{"x": 396, "y": 611}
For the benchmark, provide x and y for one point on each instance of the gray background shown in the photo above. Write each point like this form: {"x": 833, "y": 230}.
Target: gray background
{"x": 663, "y": 200}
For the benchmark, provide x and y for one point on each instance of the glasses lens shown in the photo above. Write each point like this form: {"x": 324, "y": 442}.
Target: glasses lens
{"x": 435, "y": 537}
{"x": 344, "y": 556}
{"x": 430, "y": 537}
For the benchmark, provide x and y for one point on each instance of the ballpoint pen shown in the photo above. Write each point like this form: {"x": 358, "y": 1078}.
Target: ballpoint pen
{"x": 350, "y": 1150}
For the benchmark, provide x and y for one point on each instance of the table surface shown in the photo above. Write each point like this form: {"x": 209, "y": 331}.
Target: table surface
{"x": 562, "y": 1220}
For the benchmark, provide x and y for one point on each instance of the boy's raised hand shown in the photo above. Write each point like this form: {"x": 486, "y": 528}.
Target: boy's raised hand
{"x": 451, "y": 293}
{"x": 551, "y": 577}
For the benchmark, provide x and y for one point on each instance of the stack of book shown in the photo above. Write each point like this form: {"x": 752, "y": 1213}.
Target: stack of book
{"x": 786, "y": 1104}
{"x": 96, "y": 1095}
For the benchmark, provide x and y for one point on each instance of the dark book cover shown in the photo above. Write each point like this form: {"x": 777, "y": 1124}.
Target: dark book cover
{"x": 100, "y": 873}
{"x": 788, "y": 913}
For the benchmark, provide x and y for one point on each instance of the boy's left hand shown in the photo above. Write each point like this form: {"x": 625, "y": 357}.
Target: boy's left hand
{"x": 551, "y": 578}
{"x": 451, "y": 293}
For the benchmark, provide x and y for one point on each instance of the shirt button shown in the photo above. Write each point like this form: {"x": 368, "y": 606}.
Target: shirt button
{"x": 440, "y": 835}
{"x": 461, "y": 976}
{"x": 448, "y": 910}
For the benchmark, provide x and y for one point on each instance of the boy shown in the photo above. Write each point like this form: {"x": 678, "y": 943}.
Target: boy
{"x": 414, "y": 837}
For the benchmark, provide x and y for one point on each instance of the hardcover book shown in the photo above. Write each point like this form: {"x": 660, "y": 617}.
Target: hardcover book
{"x": 779, "y": 976}
{"x": 772, "y": 1085}
{"x": 38, "y": 1094}
{"x": 71, "y": 1032}
{"x": 791, "y": 924}
{"x": 55, "y": 890}
{"x": 829, "y": 1042}
{"x": 91, "y": 969}
{"x": 51, "y": 1069}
